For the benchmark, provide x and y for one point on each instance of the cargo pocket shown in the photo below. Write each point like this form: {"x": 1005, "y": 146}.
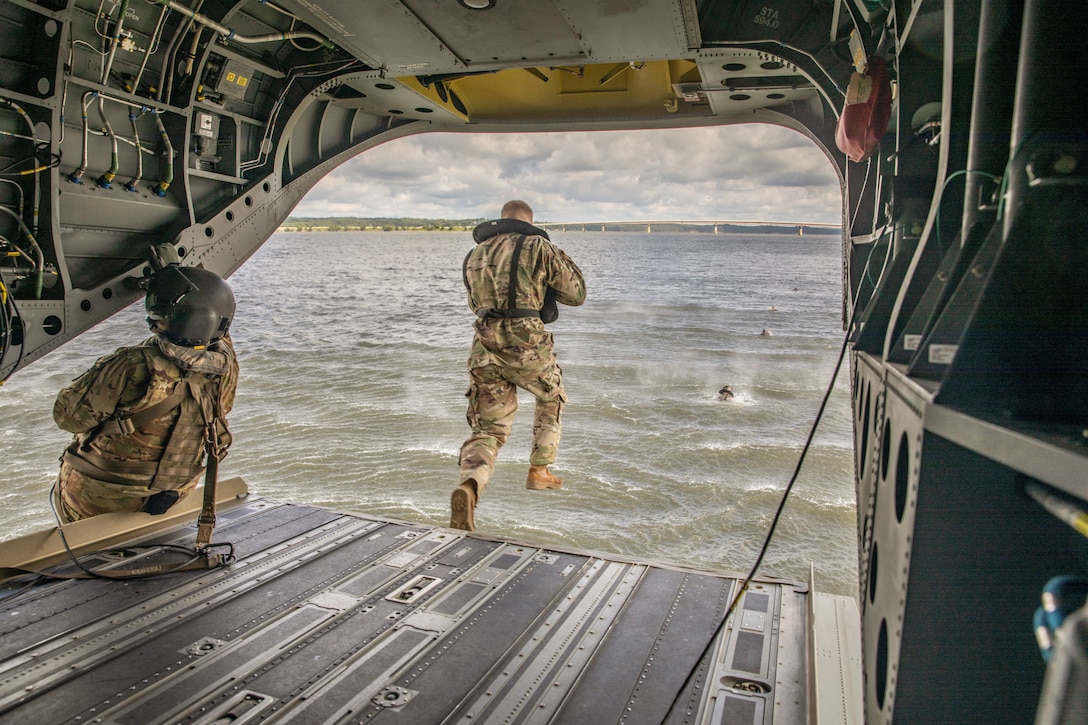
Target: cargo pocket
{"x": 472, "y": 415}
{"x": 551, "y": 386}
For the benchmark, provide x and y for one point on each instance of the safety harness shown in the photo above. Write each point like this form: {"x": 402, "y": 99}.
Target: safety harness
{"x": 197, "y": 394}
{"x": 198, "y": 429}
{"x": 174, "y": 469}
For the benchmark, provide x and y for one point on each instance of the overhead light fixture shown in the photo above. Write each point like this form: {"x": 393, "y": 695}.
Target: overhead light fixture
{"x": 477, "y": 4}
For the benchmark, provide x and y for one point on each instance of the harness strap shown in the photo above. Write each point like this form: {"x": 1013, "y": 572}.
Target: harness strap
{"x": 512, "y": 310}
{"x": 512, "y": 290}
{"x": 206, "y": 521}
{"x": 182, "y": 455}
{"x": 128, "y": 424}
{"x": 102, "y": 469}
{"x": 489, "y": 313}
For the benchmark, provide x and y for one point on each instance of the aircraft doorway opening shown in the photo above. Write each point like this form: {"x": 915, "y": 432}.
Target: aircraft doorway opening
{"x": 353, "y": 344}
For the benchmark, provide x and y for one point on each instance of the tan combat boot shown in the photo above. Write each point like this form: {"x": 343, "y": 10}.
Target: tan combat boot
{"x": 463, "y": 506}
{"x": 540, "y": 478}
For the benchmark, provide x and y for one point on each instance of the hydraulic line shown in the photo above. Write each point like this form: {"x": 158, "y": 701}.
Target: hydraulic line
{"x": 114, "y": 40}
{"x": 166, "y": 78}
{"x": 19, "y": 193}
{"x": 229, "y": 34}
{"x": 18, "y": 252}
{"x": 64, "y": 87}
{"x": 36, "y": 198}
{"x": 76, "y": 177}
{"x": 39, "y": 279}
{"x": 24, "y": 137}
{"x": 190, "y": 57}
{"x": 164, "y": 86}
{"x": 1065, "y": 511}
{"x": 294, "y": 19}
{"x": 152, "y": 48}
{"x": 866, "y": 275}
{"x": 131, "y": 185}
{"x": 266, "y": 140}
{"x": 134, "y": 117}
{"x": 168, "y": 175}
{"x": 106, "y": 179}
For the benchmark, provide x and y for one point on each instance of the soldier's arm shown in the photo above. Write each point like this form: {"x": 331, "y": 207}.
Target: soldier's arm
{"x": 472, "y": 269}
{"x": 563, "y": 275}
{"x": 229, "y": 384}
{"x": 93, "y": 396}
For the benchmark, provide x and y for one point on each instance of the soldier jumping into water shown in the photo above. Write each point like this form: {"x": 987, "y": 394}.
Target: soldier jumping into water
{"x": 514, "y": 276}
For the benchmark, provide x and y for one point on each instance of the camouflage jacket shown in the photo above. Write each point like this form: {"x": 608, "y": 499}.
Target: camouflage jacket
{"x": 134, "y": 378}
{"x": 541, "y": 265}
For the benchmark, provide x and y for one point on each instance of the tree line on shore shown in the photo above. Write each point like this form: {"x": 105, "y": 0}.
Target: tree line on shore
{"x": 376, "y": 224}
{"x": 405, "y": 224}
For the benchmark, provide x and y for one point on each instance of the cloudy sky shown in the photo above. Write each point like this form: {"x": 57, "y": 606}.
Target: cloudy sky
{"x": 751, "y": 172}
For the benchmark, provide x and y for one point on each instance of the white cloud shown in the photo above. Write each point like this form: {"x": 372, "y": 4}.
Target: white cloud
{"x": 752, "y": 172}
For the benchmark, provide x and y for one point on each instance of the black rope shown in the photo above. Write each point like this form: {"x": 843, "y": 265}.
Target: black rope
{"x": 140, "y": 573}
{"x": 770, "y": 532}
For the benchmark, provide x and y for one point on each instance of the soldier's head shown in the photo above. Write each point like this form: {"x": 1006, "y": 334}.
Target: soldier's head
{"x": 192, "y": 306}
{"x": 517, "y": 209}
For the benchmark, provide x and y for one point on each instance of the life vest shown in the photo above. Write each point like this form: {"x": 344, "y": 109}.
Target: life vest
{"x": 549, "y": 312}
{"x": 102, "y": 452}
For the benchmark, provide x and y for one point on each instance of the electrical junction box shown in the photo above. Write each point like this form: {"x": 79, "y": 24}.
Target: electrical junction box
{"x": 205, "y": 141}
{"x": 235, "y": 79}
{"x": 206, "y": 124}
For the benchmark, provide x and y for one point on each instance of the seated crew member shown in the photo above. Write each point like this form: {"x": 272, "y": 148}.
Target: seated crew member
{"x": 141, "y": 414}
{"x": 514, "y": 276}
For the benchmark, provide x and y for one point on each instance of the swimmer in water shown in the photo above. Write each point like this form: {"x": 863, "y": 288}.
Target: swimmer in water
{"x": 726, "y": 393}
{"x": 765, "y": 333}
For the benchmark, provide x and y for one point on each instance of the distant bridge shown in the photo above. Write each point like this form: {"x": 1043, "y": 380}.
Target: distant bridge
{"x": 650, "y": 224}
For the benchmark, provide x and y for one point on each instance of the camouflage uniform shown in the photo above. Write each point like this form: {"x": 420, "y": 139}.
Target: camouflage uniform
{"x": 516, "y": 352}
{"x": 162, "y": 454}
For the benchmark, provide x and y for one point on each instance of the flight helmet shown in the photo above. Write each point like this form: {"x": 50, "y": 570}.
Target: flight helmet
{"x": 197, "y": 303}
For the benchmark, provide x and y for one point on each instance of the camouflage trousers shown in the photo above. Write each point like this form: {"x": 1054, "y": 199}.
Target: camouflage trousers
{"x": 493, "y": 401}
{"x": 78, "y": 496}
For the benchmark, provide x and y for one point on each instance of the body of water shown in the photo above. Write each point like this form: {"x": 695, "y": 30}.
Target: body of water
{"x": 352, "y": 349}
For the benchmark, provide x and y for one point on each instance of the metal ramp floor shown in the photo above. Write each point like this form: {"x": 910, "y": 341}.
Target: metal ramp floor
{"x": 333, "y": 617}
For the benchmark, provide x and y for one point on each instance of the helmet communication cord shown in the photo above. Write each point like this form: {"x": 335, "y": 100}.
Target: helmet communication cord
{"x": 200, "y": 557}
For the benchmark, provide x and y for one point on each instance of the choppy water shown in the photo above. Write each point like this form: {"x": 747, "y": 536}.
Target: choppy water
{"x": 352, "y": 349}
